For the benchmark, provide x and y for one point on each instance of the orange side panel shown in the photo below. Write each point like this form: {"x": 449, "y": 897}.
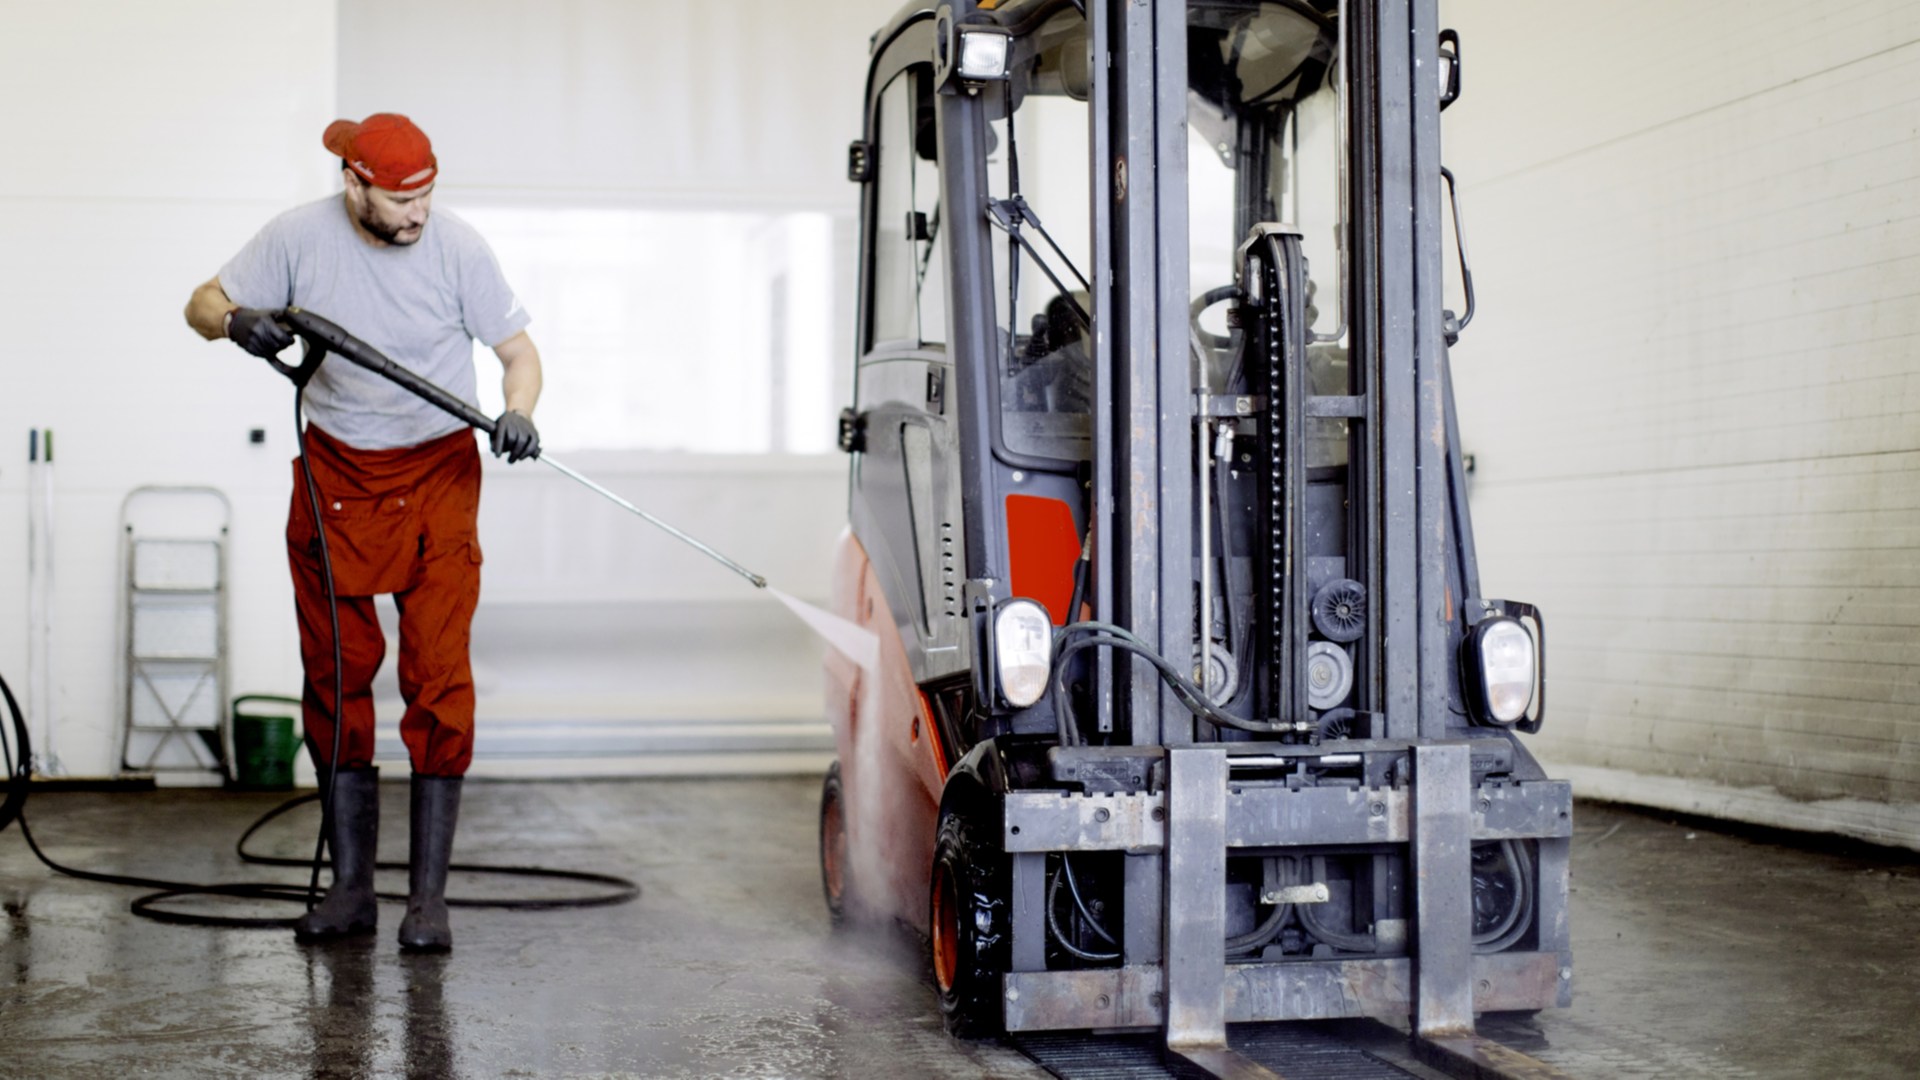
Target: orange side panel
{"x": 891, "y": 765}
{"x": 1042, "y": 547}
{"x": 926, "y": 729}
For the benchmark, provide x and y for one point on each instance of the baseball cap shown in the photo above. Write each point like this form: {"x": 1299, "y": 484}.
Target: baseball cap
{"x": 386, "y": 150}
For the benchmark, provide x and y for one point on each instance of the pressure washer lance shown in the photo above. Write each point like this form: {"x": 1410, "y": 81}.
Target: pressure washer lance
{"x": 321, "y": 336}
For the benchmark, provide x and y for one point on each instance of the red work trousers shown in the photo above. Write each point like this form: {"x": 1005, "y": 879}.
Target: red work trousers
{"x": 401, "y": 522}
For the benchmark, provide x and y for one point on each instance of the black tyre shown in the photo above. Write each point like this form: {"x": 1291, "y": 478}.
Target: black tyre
{"x": 835, "y": 869}
{"x": 968, "y": 927}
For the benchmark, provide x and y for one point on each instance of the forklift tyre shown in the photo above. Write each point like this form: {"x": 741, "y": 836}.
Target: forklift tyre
{"x": 835, "y": 870}
{"x": 967, "y": 927}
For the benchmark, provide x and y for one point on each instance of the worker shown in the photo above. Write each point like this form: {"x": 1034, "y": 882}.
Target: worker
{"x": 398, "y": 485}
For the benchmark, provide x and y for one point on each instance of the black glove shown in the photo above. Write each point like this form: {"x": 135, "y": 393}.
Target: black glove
{"x": 515, "y": 436}
{"x": 255, "y": 330}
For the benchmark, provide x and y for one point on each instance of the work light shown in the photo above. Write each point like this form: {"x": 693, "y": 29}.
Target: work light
{"x": 1022, "y": 651}
{"x": 1506, "y": 662}
{"x": 968, "y": 56}
{"x": 983, "y": 53}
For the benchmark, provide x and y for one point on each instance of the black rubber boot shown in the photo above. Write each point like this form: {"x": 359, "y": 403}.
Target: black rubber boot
{"x": 436, "y": 808}
{"x": 349, "y": 908}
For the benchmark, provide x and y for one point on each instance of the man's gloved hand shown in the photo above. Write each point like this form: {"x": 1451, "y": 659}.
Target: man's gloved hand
{"x": 515, "y": 436}
{"x": 254, "y": 330}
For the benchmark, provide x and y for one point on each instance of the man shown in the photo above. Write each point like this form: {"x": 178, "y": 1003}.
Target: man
{"x": 398, "y": 483}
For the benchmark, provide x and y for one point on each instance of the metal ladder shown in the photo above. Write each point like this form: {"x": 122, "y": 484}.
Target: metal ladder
{"x": 175, "y": 630}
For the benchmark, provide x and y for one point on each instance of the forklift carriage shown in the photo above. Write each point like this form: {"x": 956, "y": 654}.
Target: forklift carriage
{"x": 1189, "y": 710}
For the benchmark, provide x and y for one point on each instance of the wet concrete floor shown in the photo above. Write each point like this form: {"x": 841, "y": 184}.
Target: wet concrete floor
{"x": 1699, "y": 952}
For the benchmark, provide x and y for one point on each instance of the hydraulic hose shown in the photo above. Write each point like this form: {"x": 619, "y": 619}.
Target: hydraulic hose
{"x": 1262, "y": 934}
{"x": 1339, "y": 939}
{"x": 1269, "y": 927}
{"x": 1073, "y": 886}
{"x": 1060, "y": 935}
{"x": 1098, "y": 634}
{"x": 1519, "y": 917}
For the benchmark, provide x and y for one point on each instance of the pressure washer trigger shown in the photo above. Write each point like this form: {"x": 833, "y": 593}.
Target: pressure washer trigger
{"x": 311, "y": 353}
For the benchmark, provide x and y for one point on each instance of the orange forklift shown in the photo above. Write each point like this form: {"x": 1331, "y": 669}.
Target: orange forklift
{"x": 1189, "y": 709}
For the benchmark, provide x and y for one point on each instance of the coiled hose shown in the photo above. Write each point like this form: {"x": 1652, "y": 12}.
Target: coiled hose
{"x": 13, "y": 807}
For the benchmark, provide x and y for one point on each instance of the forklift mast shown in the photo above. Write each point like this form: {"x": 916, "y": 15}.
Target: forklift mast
{"x": 1156, "y": 469}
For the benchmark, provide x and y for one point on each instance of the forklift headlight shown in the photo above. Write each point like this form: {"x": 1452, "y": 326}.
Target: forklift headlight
{"x": 1507, "y": 668}
{"x": 1022, "y": 651}
{"x": 983, "y": 52}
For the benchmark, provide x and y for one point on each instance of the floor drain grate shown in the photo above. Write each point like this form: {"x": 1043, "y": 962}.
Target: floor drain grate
{"x": 1296, "y": 1051}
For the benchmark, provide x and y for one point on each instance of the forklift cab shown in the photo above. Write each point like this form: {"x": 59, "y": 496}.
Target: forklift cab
{"x": 1190, "y": 708}
{"x": 1263, "y": 144}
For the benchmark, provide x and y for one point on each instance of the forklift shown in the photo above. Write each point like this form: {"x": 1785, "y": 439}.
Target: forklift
{"x": 1189, "y": 708}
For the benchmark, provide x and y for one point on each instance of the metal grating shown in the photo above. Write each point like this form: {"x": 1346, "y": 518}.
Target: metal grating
{"x": 1296, "y": 1051}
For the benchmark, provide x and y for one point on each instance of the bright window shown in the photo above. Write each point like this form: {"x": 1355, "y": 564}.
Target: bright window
{"x": 702, "y": 331}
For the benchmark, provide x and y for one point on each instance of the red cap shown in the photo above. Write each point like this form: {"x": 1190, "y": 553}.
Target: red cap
{"x": 386, "y": 150}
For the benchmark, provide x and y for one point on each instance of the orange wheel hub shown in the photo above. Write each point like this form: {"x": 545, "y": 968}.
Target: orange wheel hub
{"x": 833, "y": 852}
{"x": 946, "y": 930}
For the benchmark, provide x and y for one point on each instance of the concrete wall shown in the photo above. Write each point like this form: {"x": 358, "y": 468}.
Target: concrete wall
{"x": 1693, "y": 391}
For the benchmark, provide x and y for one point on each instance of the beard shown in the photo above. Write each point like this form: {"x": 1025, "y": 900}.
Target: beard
{"x": 386, "y": 234}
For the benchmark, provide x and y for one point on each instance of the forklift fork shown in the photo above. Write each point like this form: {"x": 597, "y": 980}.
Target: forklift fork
{"x": 1441, "y": 950}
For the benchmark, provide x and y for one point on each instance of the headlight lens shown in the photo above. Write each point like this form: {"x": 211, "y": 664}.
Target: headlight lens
{"x": 1507, "y": 667}
{"x": 983, "y": 54}
{"x": 1022, "y": 651}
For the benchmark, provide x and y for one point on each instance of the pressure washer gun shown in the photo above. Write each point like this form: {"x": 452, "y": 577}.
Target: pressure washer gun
{"x": 320, "y": 338}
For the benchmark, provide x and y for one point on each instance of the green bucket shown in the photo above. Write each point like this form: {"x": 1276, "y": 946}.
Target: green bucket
{"x": 263, "y": 743}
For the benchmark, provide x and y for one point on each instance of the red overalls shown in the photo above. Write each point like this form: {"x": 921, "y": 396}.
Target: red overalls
{"x": 402, "y": 522}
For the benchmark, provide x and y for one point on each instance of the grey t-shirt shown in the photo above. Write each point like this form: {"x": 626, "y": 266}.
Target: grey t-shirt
{"x": 422, "y": 305}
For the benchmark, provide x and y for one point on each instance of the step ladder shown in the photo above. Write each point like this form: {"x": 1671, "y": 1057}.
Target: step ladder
{"x": 175, "y": 630}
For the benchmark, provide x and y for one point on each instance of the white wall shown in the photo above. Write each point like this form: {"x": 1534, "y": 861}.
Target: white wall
{"x": 145, "y": 143}
{"x": 1693, "y": 391}
{"x": 725, "y": 102}
{"x": 732, "y": 105}
{"x": 652, "y": 104}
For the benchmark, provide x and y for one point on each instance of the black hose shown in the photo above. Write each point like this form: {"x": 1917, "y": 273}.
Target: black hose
{"x": 1339, "y": 939}
{"x": 17, "y": 776}
{"x": 1073, "y": 888}
{"x": 625, "y": 890}
{"x": 622, "y": 889}
{"x": 1081, "y": 570}
{"x": 1519, "y": 918}
{"x": 1269, "y": 927}
{"x": 1116, "y": 637}
{"x": 1354, "y": 943}
{"x": 1059, "y": 935}
{"x": 339, "y": 675}
{"x": 1260, "y": 935}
